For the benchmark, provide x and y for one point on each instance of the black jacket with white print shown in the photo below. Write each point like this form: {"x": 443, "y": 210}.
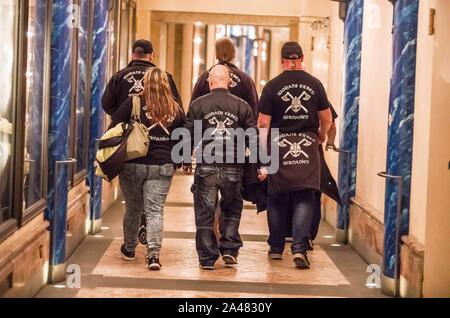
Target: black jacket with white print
{"x": 129, "y": 82}
{"x": 220, "y": 114}
{"x": 161, "y": 143}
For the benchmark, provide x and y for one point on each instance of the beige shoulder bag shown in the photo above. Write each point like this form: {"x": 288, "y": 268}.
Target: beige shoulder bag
{"x": 139, "y": 140}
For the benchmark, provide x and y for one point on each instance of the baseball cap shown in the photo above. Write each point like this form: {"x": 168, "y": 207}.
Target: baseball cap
{"x": 143, "y": 47}
{"x": 291, "y": 51}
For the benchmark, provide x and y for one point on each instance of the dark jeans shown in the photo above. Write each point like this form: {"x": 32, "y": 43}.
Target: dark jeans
{"x": 209, "y": 180}
{"x": 317, "y": 217}
{"x": 302, "y": 205}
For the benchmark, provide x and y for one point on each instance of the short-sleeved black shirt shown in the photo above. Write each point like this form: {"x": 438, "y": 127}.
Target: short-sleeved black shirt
{"x": 293, "y": 99}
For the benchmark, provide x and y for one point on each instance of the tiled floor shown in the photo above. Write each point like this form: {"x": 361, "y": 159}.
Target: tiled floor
{"x": 155, "y": 293}
{"x": 337, "y": 271}
{"x": 179, "y": 260}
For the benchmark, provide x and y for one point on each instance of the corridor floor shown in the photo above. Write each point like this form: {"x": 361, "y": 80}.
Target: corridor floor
{"x": 337, "y": 271}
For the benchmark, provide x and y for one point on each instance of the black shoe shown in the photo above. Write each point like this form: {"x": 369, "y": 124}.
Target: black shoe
{"x": 153, "y": 263}
{"x": 207, "y": 266}
{"x": 275, "y": 256}
{"x": 126, "y": 255}
{"x": 229, "y": 259}
{"x": 310, "y": 245}
{"x": 301, "y": 261}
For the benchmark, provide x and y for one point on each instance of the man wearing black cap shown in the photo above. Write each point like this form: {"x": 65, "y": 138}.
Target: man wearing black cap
{"x": 129, "y": 81}
{"x": 296, "y": 104}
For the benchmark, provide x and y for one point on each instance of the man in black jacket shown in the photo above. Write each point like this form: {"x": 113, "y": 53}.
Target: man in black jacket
{"x": 129, "y": 81}
{"x": 240, "y": 85}
{"x": 219, "y": 168}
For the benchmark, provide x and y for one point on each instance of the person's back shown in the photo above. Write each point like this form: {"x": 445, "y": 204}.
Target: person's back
{"x": 130, "y": 81}
{"x": 296, "y": 104}
{"x": 294, "y": 99}
{"x": 240, "y": 84}
{"x": 219, "y": 113}
{"x": 145, "y": 182}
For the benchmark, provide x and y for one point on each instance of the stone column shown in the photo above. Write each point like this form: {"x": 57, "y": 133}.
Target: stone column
{"x": 98, "y": 83}
{"x": 350, "y": 115}
{"x": 400, "y": 136}
{"x": 58, "y": 140}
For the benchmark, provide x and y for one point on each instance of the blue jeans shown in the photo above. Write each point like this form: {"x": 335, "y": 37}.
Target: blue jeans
{"x": 302, "y": 205}
{"x": 209, "y": 180}
{"x": 145, "y": 188}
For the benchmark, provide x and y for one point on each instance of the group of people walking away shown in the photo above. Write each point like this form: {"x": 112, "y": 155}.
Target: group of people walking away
{"x": 225, "y": 99}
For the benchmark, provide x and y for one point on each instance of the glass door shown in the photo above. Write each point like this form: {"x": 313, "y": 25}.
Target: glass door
{"x": 9, "y": 11}
{"x": 36, "y": 106}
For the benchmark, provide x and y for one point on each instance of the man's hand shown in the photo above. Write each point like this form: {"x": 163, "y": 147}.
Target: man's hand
{"x": 322, "y": 137}
{"x": 262, "y": 174}
{"x": 187, "y": 170}
{"x": 331, "y": 138}
{"x": 331, "y": 147}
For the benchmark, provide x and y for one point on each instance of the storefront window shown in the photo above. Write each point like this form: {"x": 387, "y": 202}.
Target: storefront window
{"x": 82, "y": 94}
{"x": 34, "y": 113}
{"x": 8, "y": 15}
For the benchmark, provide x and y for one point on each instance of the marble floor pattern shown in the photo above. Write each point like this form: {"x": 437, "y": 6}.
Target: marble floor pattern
{"x": 337, "y": 271}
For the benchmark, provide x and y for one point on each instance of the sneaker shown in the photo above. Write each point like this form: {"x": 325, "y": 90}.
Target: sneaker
{"x": 310, "y": 245}
{"x": 301, "y": 261}
{"x": 153, "y": 263}
{"x": 229, "y": 259}
{"x": 207, "y": 267}
{"x": 126, "y": 255}
{"x": 275, "y": 256}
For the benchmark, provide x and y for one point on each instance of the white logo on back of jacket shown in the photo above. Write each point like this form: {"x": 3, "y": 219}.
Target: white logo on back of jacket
{"x": 233, "y": 84}
{"x": 296, "y": 102}
{"x": 295, "y": 148}
{"x": 159, "y": 123}
{"x": 138, "y": 85}
{"x": 221, "y": 126}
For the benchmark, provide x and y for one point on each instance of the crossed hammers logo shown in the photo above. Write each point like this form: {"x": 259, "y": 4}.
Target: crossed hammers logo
{"x": 170, "y": 119}
{"x": 295, "y": 147}
{"x": 138, "y": 85}
{"x": 221, "y": 127}
{"x": 296, "y": 104}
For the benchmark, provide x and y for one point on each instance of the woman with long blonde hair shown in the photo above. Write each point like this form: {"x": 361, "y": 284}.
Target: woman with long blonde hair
{"x": 145, "y": 182}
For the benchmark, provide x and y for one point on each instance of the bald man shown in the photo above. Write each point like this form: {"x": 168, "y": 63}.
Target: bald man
{"x": 217, "y": 115}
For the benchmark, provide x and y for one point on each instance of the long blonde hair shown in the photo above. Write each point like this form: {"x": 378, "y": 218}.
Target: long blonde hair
{"x": 161, "y": 105}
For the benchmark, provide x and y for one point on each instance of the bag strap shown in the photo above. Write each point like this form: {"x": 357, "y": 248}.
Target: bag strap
{"x": 136, "y": 111}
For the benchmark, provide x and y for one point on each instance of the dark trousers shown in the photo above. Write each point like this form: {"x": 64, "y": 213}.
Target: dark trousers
{"x": 317, "y": 217}
{"x": 209, "y": 181}
{"x": 301, "y": 203}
